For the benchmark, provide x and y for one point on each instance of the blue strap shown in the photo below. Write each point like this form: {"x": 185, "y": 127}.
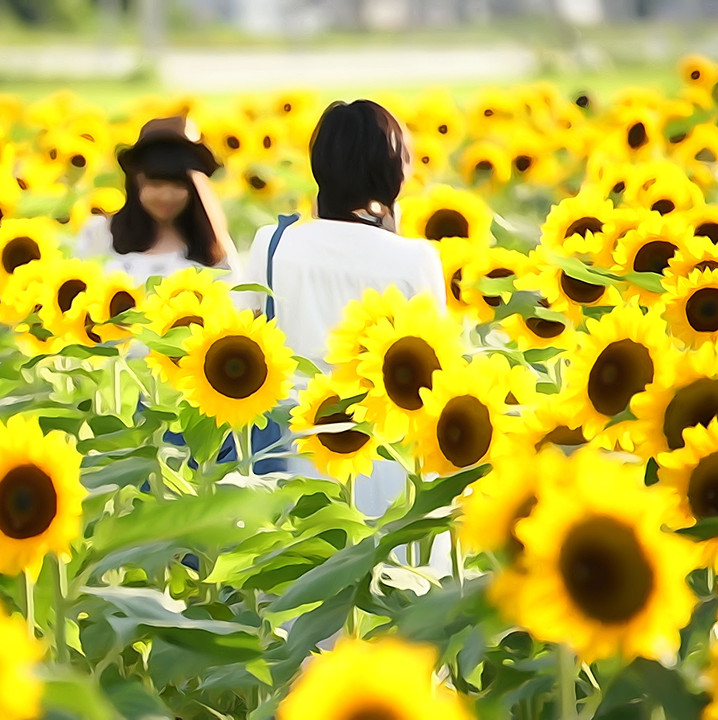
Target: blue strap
{"x": 283, "y": 222}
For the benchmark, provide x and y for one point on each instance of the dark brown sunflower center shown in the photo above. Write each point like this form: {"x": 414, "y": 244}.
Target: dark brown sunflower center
{"x": 623, "y": 369}
{"x": 443, "y": 129}
{"x": 464, "y": 430}
{"x": 446, "y": 223}
{"x": 579, "y": 290}
{"x": 91, "y": 334}
{"x": 495, "y": 300}
{"x": 583, "y": 101}
{"x": 584, "y": 225}
{"x": 28, "y": 502}
{"x": 709, "y": 230}
{"x": 562, "y": 435}
{"x": 654, "y": 256}
{"x": 694, "y": 404}
{"x": 287, "y": 107}
{"x": 695, "y": 74}
{"x": 346, "y": 442}
{"x": 408, "y": 366}
{"x": 188, "y": 320}
{"x": 523, "y": 162}
{"x": 374, "y": 712}
{"x": 19, "y": 251}
{"x": 544, "y": 328}
{"x": 256, "y": 182}
{"x": 232, "y": 142}
{"x": 605, "y": 570}
{"x": 455, "y": 285}
{"x": 425, "y": 159}
{"x": 267, "y": 142}
{"x": 663, "y": 206}
{"x": 235, "y": 366}
{"x": 67, "y": 292}
{"x": 706, "y": 265}
{"x": 619, "y": 187}
{"x": 484, "y": 166}
{"x": 121, "y": 302}
{"x": 78, "y": 161}
{"x": 705, "y": 155}
{"x": 702, "y": 310}
{"x": 703, "y": 487}
{"x": 637, "y": 135}
{"x": 677, "y": 138}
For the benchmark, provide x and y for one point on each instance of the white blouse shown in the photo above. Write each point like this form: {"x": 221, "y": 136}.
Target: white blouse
{"x": 320, "y": 265}
{"x": 95, "y": 241}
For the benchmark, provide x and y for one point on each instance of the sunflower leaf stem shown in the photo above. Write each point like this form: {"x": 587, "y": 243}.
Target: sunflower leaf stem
{"x": 59, "y": 589}
{"x": 566, "y": 682}
{"x": 398, "y": 458}
{"x": 243, "y": 443}
{"x": 30, "y": 604}
{"x": 457, "y": 559}
{"x": 117, "y": 388}
{"x": 143, "y": 389}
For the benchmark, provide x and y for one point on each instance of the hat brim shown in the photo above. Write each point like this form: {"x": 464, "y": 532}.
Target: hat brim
{"x": 130, "y": 158}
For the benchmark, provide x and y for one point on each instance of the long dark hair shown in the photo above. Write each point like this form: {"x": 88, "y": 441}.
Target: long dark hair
{"x": 134, "y": 230}
{"x": 358, "y": 155}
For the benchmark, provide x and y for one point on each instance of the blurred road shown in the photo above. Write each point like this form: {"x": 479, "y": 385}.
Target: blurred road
{"x": 232, "y": 70}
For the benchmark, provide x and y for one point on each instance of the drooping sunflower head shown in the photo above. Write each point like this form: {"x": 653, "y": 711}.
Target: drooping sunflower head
{"x": 384, "y": 679}
{"x": 539, "y": 330}
{"x": 444, "y": 212}
{"x": 22, "y": 241}
{"x": 697, "y": 253}
{"x": 697, "y": 152}
{"x": 663, "y": 187}
{"x": 40, "y": 494}
{"x": 599, "y": 572}
{"x": 20, "y": 689}
{"x": 237, "y": 368}
{"x": 462, "y": 416}
{"x": 456, "y": 253}
{"x": 341, "y": 455}
{"x": 400, "y": 359}
{"x": 485, "y": 164}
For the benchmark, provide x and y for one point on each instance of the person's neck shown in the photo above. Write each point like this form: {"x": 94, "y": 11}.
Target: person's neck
{"x": 167, "y": 239}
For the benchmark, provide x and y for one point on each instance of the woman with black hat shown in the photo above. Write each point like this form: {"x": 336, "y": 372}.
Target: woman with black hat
{"x": 171, "y": 219}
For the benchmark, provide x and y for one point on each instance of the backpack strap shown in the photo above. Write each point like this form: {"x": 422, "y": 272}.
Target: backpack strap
{"x": 283, "y": 222}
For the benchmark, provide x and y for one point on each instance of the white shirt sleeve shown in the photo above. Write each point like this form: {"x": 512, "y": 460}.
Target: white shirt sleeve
{"x": 256, "y": 270}
{"x": 94, "y": 238}
{"x": 431, "y": 276}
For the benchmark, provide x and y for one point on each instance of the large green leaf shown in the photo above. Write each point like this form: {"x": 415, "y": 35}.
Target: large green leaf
{"x": 70, "y": 696}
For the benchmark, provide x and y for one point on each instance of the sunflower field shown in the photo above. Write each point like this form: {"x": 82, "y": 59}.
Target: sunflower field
{"x": 551, "y": 547}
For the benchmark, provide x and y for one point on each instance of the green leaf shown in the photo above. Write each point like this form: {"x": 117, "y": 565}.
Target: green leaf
{"x": 201, "y": 433}
{"x": 252, "y": 287}
{"x": 132, "y": 699}
{"x": 346, "y": 568}
{"x": 305, "y": 366}
{"x": 170, "y": 344}
{"x": 539, "y": 355}
{"x": 704, "y": 529}
{"x": 77, "y": 351}
{"x": 574, "y": 268}
{"x": 76, "y": 696}
{"x": 340, "y": 406}
{"x": 494, "y": 286}
{"x": 647, "y": 280}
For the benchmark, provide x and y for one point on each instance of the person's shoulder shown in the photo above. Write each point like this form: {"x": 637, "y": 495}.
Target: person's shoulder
{"x": 421, "y": 249}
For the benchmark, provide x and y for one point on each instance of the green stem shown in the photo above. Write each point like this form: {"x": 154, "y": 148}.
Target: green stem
{"x": 243, "y": 442}
{"x": 566, "y": 682}
{"x": 30, "y": 604}
{"x": 117, "y": 387}
{"x": 58, "y": 586}
{"x": 457, "y": 559}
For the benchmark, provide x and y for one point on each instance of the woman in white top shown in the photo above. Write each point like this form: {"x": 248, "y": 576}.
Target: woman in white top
{"x": 171, "y": 219}
{"x": 359, "y": 160}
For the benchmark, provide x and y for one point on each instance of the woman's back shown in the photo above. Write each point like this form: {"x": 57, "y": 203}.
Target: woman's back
{"x": 321, "y": 265}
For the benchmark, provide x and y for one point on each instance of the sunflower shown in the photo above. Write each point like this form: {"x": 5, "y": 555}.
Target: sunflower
{"x": 40, "y": 494}
{"x": 491, "y": 506}
{"x": 539, "y": 332}
{"x": 637, "y": 134}
{"x": 609, "y": 178}
{"x": 342, "y": 455}
{"x": 599, "y": 572}
{"x": 347, "y": 340}
{"x": 698, "y": 252}
{"x": 649, "y": 248}
{"x": 698, "y": 70}
{"x": 200, "y": 283}
{"x": 490, "y": 263}
{"x": 692, "y": 307}
{"x": 691, "y": 472}
{"x": 456, "y": 253}
{"x": 485, "y": 164}
{"x": 492, "y": 107}
{"x": 615, "y": 359}
{"x": 400, "y": 359}
{"x": 22, "y": 241}
{"x": 444, "y": 212}
{"x": 20, "y": 690}
{"x": 436, "y": 114}
{"x": 576, "y": 224}
{"x": 698, "y": 154}
{"x": 461, "y": 418}
{"x": 237, "y": 368}
{"x": 387, "y": 679}
{"x": 430, "y": 160}
{"x": 99, "y": 201}
{"x": 64, "y": 298}
{"x": 105, "y": 301}
{"x": 183, "y": 310}
{"x": 664, "y": 187}
{"x": 665, "y": 411}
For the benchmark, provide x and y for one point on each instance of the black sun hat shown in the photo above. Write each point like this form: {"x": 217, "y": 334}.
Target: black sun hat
{"x": 168, "y": 132}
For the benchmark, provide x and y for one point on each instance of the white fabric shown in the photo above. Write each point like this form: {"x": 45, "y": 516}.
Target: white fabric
{"x": 321, "y": 265}
{"x": 95, "y": 241}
